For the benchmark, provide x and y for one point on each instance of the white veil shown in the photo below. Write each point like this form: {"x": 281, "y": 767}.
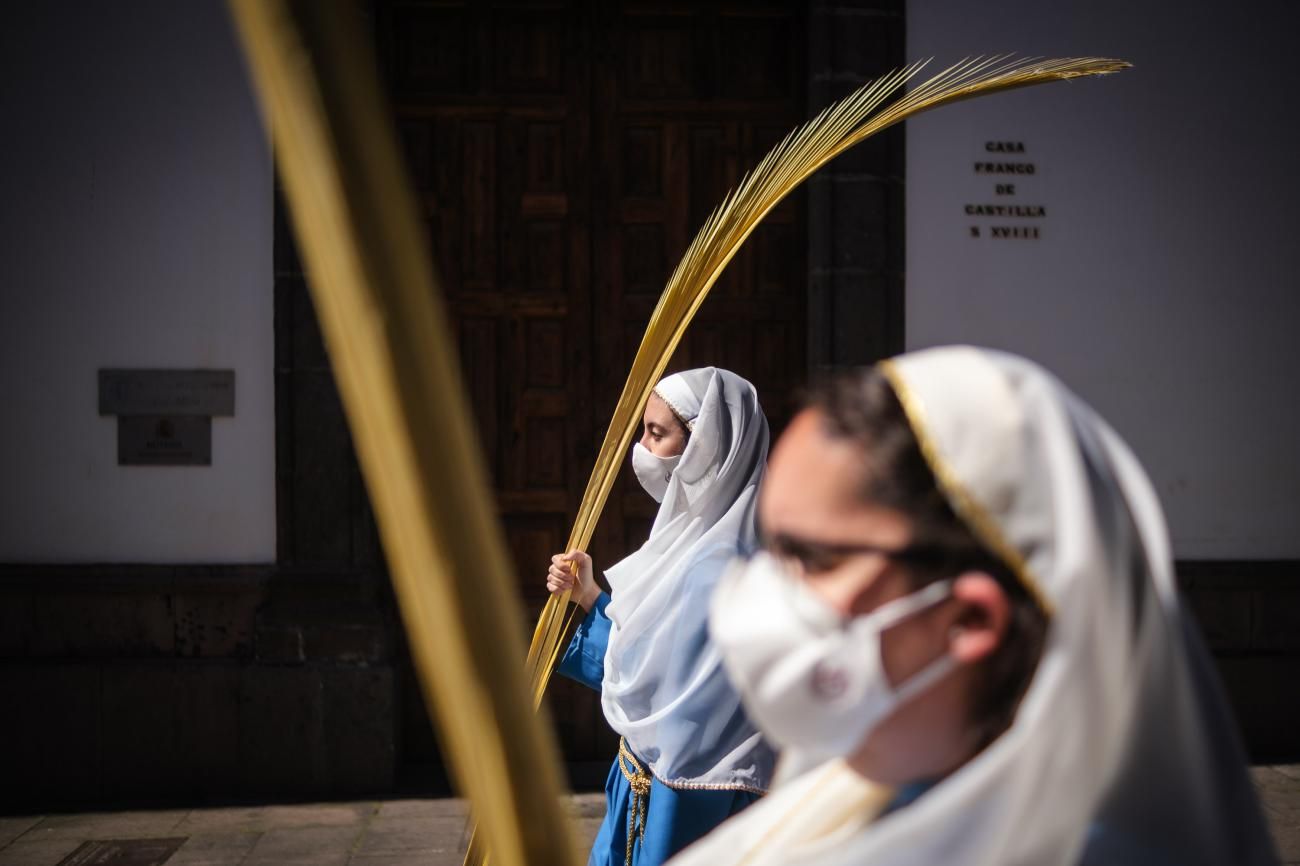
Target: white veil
{"x": 664, "y": 689}
{"x": 1123, "y": 751}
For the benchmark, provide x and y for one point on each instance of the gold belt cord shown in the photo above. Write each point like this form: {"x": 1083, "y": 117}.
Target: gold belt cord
{"x": 639, "y": 780}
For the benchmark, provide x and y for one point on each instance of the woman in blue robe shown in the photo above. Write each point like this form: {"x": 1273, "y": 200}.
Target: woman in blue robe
{"x": 689, "y": 757}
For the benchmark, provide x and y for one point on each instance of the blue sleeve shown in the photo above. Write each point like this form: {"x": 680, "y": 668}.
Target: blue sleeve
{"x": 584, "y": 660}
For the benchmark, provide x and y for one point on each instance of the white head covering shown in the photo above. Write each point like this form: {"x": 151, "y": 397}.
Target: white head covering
{"x": 664, "y": 689}
{"x": 684, "y": 393}
{"x": 1123, "y": 750}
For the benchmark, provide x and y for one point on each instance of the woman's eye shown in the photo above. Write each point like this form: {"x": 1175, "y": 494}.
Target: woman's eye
{"x": 819, "y": 563}
{"x": 803, "y": 558}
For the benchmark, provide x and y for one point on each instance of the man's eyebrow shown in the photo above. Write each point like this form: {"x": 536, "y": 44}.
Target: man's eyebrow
{"x": 787, "y": 542}
{"x": 794, "y": 545}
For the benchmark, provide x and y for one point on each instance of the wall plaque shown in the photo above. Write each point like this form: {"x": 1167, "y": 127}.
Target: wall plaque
{"x": 164, "y": 417}
{"x": 1005, "y": 163}
{"x": 167, "y": 392}
{"x": 164, "y": 440}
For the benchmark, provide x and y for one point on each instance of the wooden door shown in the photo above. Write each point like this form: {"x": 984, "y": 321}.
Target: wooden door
{"x": 492, "y": 104}
{"x": 564, "y": 154}
{"x": 688, "y": 96}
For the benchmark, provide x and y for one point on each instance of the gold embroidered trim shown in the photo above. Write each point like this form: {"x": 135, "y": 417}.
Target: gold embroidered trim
{"x": 968, "y": 508}
{"x": 711, "y": 786}
{"x": 696, "y": 786}
{"x": 677, "y": 413}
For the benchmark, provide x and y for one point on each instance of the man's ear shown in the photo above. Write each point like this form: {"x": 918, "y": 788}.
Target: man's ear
{"x": 981, "y": 622}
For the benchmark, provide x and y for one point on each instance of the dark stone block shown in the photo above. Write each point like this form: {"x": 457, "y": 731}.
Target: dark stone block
{"x": 110, "y": 621}
{"x": 284, "y": 450}
{"x": 821, "y": 220}
{"x": 294, "y": 594}
{"x": 1224, "y": 617}
{"x": 17, "y": 620}
{"x": 345, "y": 643}
{"x": 1277, "y": 622}
{"x": 869, "y": 45}
{"x": 322, "y": 474}
{"x": 862, "y": 322}
{"x": 280, "y": 644}
{"x": 367, "y": 550}
{"x": 206, "y": 714}
{"x": 20, "y": 728}
{"x": 283, "y": 313}
{"x": 140, "y": 755}
{"x": 318, "y": 617}
{"x": 215, "y": 619}
{"x": 421, "y": 764}
{"x": 820, "y": 38}
{"x": 55, "y": 746}
{"x": 880, "y": 157}
{"x": 281, "y": 733}
{"x": 286, "y": 259}
{"x": 308, "y": 344}
{"x": 360, "y": 729}
{"x": 821, "y": 333}
{"x": 896, "y": 228}
{"x": 1266, "y": 702}
{"x": 860, "y": 231}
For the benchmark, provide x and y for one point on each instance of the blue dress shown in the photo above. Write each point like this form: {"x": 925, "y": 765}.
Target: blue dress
{"x": 674, "y": 817}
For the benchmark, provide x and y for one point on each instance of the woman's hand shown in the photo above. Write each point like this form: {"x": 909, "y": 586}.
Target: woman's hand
{"x": 561, "y": 577}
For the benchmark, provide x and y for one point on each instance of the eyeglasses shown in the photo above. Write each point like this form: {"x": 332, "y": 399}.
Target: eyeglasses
{"x": 815, "y": 556}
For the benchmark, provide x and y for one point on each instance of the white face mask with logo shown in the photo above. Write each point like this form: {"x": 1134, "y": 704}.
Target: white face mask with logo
{"x": 810, "y": 679}
{"x": 653, "y": 471}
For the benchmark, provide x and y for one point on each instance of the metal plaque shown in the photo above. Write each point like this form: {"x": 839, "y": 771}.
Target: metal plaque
{"x": 124, "y": 852}
{"x": 167, "y": 392}
{"x": 164, "y": 440}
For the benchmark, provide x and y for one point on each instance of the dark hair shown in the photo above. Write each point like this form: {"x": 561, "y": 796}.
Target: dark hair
{"x": 861, "y": 406}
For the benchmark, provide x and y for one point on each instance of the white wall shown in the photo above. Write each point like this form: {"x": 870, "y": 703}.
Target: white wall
{"x": 136, "y": 225}
{"x": 1164, "y": 286}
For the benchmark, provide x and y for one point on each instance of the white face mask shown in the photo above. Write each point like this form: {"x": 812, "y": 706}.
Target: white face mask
{"x": 653, "y": 471}
{"x": 808, "y": 678}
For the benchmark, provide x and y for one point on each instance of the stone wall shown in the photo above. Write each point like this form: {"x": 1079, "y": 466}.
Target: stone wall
{"x": 1249, "y": 613}
{"x": 137, "y": 684}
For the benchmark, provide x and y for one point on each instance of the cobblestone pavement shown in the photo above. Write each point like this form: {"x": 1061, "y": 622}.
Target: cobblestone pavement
{"x": 386, "y": 833}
